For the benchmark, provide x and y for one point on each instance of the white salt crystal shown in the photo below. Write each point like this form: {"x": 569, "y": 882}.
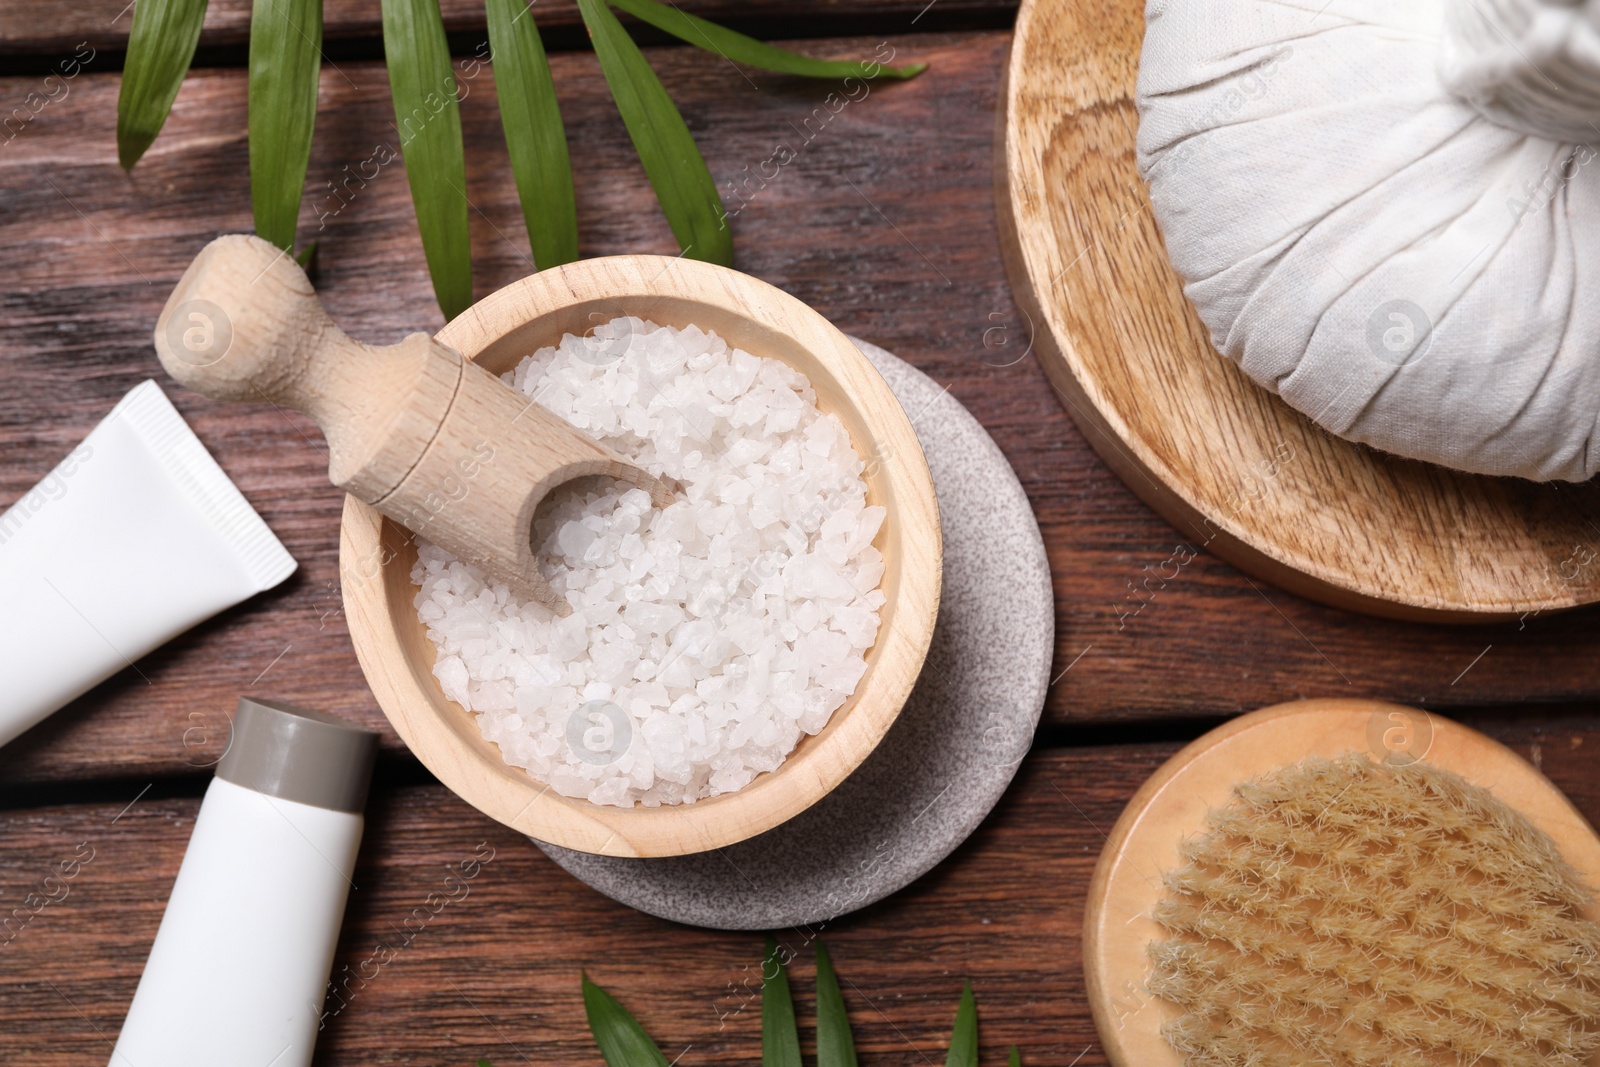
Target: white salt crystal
{"x": 706, "y": 638}
{"x": 452, "y": 675}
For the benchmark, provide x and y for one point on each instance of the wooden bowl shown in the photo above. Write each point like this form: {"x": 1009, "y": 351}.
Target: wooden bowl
{"x": 1174, "y": 802}
{"x": 376, "y": 557}
{"x": 1231, "y": 466}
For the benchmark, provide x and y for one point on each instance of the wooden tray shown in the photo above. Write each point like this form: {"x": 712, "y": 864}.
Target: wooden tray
{"x": 1173, "y": 804}
{"x": 1231, "y": 466}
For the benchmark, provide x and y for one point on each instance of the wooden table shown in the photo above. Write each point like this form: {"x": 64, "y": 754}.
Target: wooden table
{"x": 884, "y": 222}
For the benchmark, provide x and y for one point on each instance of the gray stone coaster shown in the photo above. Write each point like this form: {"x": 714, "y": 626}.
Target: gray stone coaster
{"x": 947, "y": 759}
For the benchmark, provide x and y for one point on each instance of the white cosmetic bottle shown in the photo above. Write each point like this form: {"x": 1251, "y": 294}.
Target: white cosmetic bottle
{"x": 240, "y": 963}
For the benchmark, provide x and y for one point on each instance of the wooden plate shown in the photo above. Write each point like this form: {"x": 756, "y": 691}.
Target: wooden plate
{"x": 1233, "y": 467}
{"x": 1173, "y": 804}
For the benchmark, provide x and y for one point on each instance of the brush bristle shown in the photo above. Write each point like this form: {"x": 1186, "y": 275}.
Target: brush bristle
{"x": 1346, "y": 913}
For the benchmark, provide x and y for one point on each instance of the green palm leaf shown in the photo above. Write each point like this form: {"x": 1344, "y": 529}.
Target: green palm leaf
{"x": 622, "y": 1040}
{"x": 429, "y": 123}
{"x": 673, "y": 163}
{"x": 751, "y": 52}
{"x": 160, "y": 49}
{"x": 836, "y": 1045}
{"x": 780, "y": 1039}
{"x": 285, "y": 56}
{"x": 624, "y": 1043}
{"x": 535, "y": 138}
{"x": 964, "y": 1036}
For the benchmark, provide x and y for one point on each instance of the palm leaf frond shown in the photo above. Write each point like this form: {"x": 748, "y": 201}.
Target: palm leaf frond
{"x": 747, "y": 50}
{"x": 428, "y": 119}
{"x": 285, "y": 57}
{"x": 672, "y": 161}
{"x": 160, "y": 49}
{"x": 535, "y": 137}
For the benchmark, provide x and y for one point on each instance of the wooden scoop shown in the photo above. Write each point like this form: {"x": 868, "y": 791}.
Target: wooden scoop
{"x": 433, "y": 441}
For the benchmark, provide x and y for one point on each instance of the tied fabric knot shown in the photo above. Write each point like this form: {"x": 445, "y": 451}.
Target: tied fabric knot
{"x": 1529, "y": 65}
{"x": 1412, "y": 269}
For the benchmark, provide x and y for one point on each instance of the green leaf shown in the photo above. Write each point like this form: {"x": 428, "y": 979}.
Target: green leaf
{"x": 622, "y": 1040}
{"x": 428, "y": 120}
{"x": 671, "y": 160}
{"x": 535, "y": 138}
{"x": 780, "y": 1039}
{"x": 751, "y": 52}
{"x": 836, "y": 1046}
{"x": 285, "y": 55}
{"x": 160, "y": 49}
{"x": 1016, "y": 1057}
{"x": 964, "y": 1037}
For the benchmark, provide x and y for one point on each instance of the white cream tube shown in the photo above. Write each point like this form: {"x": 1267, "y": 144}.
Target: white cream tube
{"x": 239, "y": 967}
{"x": 136, "y": 536}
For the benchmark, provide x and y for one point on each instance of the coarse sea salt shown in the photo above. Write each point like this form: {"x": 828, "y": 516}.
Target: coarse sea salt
{"x": 705, "y": 638}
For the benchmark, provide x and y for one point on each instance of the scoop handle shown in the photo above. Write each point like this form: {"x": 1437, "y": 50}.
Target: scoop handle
{"x": 438, "y": 444}
{"x": 244, "y": 323}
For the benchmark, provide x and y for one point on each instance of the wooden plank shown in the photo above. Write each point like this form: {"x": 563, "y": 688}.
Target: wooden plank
{"x": 884, "y": 221}
{"x": 495, "y": 974}
{"x": 39, "y": 28}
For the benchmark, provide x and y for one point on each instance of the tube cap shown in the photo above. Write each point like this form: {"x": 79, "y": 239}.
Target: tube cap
{"x": 301, "y": 755}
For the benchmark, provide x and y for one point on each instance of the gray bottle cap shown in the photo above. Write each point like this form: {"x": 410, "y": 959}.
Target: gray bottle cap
{"x": 297, "y": 754}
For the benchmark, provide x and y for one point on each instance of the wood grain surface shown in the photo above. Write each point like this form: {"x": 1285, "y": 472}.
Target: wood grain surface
{"x": 40, "y": 29}
{"x": 495, "y": 973}
{"x": 1191, "y": 434}
{"x": 884, "y": 222}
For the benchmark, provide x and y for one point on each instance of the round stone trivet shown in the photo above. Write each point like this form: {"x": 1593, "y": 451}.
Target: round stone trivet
{"x": 949, "y": 756}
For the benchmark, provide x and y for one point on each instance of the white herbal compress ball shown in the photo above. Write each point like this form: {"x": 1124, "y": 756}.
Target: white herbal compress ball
{"x": 1388, "y": 212}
